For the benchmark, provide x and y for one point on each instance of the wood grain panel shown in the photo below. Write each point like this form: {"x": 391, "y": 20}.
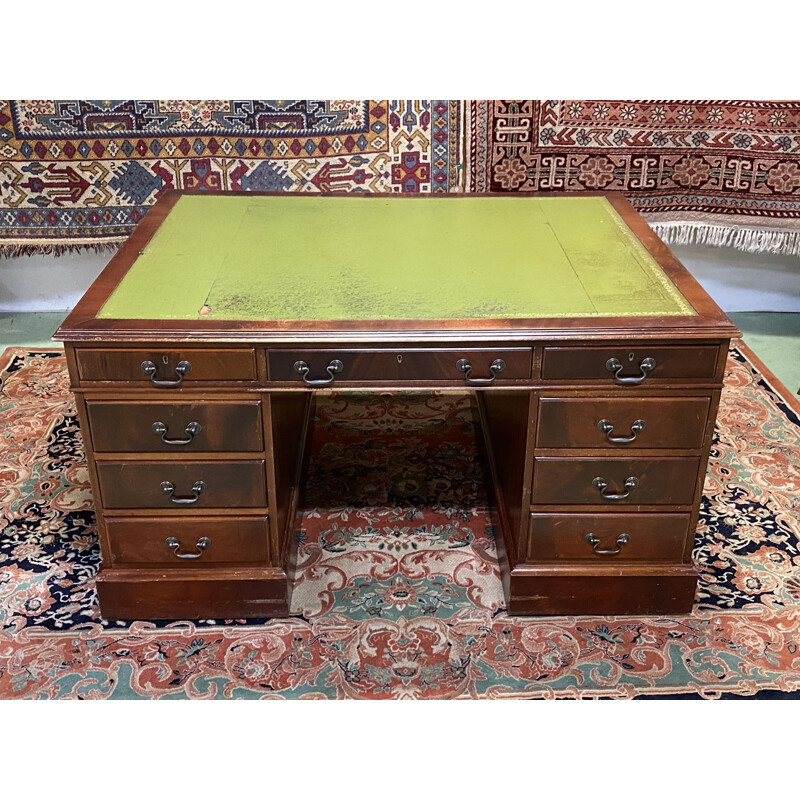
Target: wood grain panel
{"x": 669, "y": 592}
{"x": 589, "y": 363}
{"x": 569, "y": 481}
{"x": 231, "y": 540}
{"x": 651, "y": 537}
{"x": 670, "y": 422}
{"x": 142, "y": 593}
{"x": 401, "y": 364}
{"x": 137, "y": 484}
{"x": 504, "y": 419}
{"x": 122, "y": 364}
{"x": 290, "y": 424}
{"x": 127, "y": 427}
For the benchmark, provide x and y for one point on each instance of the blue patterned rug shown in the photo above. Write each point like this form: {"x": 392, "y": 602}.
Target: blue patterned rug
{"x": 396, "y": 589}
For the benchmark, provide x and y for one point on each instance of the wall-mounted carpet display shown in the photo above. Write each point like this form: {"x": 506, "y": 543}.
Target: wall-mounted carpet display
{"x": 84, "y": 173}
{"x": 715, "y": 172}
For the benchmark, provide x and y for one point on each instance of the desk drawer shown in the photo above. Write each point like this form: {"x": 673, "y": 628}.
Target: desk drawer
{"x": 632, "y": 363}
{"x": 229, "y": 364}
{"x": 628, "y": 481}
{"x": 622, "y": 422}
{"x": 181, "y": 543}
{"x": 402, "y": 365}
{"x": 146, "y": 484}
{"x": 611, "y": 538}
{"x": 210, "y": 426}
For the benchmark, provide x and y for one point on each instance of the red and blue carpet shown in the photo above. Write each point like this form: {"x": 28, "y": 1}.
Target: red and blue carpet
{"x": 397, "y": 592}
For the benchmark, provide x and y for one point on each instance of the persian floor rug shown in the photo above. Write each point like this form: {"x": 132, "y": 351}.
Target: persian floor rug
{"x": 85, "y": 172}
{"x": 396, "y": 586}
{"x": 714, "y": 172}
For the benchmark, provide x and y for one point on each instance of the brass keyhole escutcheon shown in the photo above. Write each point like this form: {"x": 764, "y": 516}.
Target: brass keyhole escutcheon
{"x": 399, "y": 358}
{"x": 165, "y": 360}
{"x": 631, "y": 356}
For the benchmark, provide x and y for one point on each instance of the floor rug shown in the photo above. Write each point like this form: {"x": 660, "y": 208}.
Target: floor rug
{"x": 720, "y": 172}
{"x": 396, "y": 587}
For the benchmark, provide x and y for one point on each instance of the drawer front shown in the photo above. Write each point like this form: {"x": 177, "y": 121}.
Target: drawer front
{"x": 130, "y": 427}
{"x": 206, "y": 365}
{"x": 607, "y": 537}
{"x": 628, "y": 481}
{"x": 181, "y": 543}
{"x": 227, "y": 484}
{"x": 592, "y": 364}
{"x": 622, "y": 422}
{"x": 402, "y": 365}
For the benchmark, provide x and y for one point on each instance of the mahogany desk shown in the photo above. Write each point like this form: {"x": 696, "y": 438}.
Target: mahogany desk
{"x": 596, "y": 361}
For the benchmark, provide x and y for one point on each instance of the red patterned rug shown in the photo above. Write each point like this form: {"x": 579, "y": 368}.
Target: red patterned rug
{"x": 715, "y": 172}
{"x": 84, "y": 172}
{"x": 397, "y": 592}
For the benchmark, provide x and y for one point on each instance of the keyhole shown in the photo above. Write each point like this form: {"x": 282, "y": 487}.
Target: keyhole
{"x": 399, "y": 359}
{"x": 165, "y": 360}
{"x": 630, "y": 356}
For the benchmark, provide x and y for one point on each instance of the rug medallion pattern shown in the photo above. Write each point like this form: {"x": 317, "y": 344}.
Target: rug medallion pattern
{"x": 396, "y": 589}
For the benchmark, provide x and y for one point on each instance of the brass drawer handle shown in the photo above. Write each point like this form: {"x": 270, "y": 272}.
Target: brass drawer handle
{"x": 622, "y": 540}
{"x": 169, "y": 489}
{"x": 498, "y": 365}
{"x": 175, "y": 545}
{"x": 149, "y": 368}
{"x": 606, "y": 427}
{"x": 614, "y": 365}
{"x": 191, "y": 430}
{"x": 332, "y": 369}
{"x": 601, "y": 485}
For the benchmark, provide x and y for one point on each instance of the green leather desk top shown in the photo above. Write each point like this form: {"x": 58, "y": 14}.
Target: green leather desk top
{"x": 367, "y": 258}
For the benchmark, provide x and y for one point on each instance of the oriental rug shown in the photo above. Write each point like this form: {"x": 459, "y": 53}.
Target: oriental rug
{"x": 79, "y": 173}
{"x": 716, "y": 172}
{"x": 396, "y": 587}
{"x": 85, "y": 172}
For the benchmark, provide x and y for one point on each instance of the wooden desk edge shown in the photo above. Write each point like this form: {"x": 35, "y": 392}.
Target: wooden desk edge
{"x": 84, "y": 325}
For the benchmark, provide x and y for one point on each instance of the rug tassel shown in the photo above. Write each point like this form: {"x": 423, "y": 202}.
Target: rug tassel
{"x": 52, "y": 249}
{"x": 749, "y": 240}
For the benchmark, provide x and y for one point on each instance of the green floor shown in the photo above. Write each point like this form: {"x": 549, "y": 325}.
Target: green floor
{"x": 31, "y": 329}
{"x": 774, "y": 337}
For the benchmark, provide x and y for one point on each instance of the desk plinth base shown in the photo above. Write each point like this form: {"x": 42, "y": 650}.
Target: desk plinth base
{"x": 192, "y": 594}
{"x": 546, "y": 591}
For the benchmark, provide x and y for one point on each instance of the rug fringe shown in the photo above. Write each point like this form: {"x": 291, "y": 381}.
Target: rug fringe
{"x": 58, "y": 248}
{"x": 750, "y": 240}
